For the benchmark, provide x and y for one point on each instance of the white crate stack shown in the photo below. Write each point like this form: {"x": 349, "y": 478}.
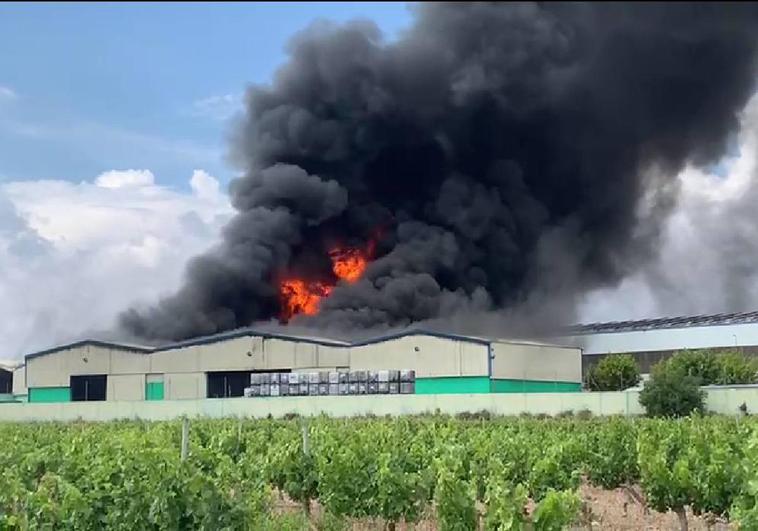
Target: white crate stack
{"x": 334, "y": 383}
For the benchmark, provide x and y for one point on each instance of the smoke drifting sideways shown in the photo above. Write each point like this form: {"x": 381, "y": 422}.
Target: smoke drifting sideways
{"x": 514, "y": 155}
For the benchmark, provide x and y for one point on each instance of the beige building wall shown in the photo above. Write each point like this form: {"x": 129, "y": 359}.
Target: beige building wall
{"x": 183, "y": 386}
{"x": 19, "y": 380}
{"x": 55, "y": 369}
{"x": 429, "y": 356}
{"x": 125, "y": 387}
{"x": 279, "y": 354}
{"x": 527, "y": 361}
{"x": 332, "y": 357}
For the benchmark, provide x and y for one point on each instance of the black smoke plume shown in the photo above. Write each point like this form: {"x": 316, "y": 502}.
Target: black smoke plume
{"x": 508, "y": 152}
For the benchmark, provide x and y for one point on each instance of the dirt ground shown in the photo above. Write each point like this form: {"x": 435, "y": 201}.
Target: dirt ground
{"x": 619, "y": 509}
{"x": 622, "y": 509}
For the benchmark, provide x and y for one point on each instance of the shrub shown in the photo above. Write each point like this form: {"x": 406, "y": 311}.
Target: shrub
{"x": 669, "y": 393}
{"x": 700, "y": 364}
{"x": 613, "y": 373}
{"x": 713, "y": 368}
{"x": 736, "y": 368}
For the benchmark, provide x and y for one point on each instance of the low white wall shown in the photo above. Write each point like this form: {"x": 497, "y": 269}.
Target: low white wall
{"x": 726, "y": 401}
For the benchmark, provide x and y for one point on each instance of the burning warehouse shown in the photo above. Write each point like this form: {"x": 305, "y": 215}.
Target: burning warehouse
{"x": 224, "y": 365}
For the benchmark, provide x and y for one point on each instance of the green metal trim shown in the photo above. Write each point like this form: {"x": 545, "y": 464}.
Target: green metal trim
{"x": 452, "y": 385}
{"x": 534, "y": 386}
{"x": 154, "y": 391}
{"x": 49, "y": 394}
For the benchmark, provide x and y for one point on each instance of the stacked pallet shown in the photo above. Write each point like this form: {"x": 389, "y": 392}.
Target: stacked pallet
{"x": 322, "y": 383}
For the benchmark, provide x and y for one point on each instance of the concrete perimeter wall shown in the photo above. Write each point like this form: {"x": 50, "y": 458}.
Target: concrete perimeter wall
{"x": 725, "y": 401}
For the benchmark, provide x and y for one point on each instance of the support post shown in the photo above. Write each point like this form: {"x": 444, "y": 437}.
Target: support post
{"x": 185, "y": 438}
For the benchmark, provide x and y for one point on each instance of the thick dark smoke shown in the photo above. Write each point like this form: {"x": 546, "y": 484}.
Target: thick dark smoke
{"x": 506, "y": 153}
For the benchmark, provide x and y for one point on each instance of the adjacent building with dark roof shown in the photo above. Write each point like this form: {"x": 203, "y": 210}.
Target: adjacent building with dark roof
{"x": 651, "y": 340}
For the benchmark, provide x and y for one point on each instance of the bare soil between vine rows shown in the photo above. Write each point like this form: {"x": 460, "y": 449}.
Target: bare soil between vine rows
{"x": 618, "y": 509}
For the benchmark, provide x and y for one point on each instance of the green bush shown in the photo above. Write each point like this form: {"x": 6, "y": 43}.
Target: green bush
{"x": 669, "y": 393}
{"x": 700, "y": 364}
{"x": 714, "y": 368}
{"x": 613, "y": 373}
{"x": 736, "y": 368}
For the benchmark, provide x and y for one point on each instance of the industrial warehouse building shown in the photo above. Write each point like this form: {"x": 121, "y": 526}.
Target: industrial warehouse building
{"x": 221, "y": 365}
{"x": 651, "y": 340}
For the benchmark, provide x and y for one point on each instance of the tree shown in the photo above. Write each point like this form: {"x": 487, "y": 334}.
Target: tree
{"x": 613, "y": 373}
{"x": 669, "y": 393}
{"x": 701, "y": 364}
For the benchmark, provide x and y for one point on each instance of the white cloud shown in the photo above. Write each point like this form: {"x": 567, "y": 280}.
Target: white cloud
{"x": 74, "y": 255}
{"x": 221, "y": 107}
{"x": 7, "y": 93}
{"x": 708, "y": 258}
{"x": 125, "y": 179}
{"x": 204, "y": 185}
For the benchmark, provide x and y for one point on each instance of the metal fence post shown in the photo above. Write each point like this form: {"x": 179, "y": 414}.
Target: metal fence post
{"x": 185, "y": 438}
{"x": 306, "y": 438}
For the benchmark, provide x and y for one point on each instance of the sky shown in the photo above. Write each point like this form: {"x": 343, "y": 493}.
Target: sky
{"x": 86, "y": 88}
{"x": 114, "y": 121}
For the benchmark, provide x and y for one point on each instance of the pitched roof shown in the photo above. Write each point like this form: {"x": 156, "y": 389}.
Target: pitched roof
{"x": 272, "y": 335}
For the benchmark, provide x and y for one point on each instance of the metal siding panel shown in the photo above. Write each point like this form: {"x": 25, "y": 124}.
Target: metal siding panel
{"x": 427, "y": 355}
{"x": 228, "y": 355}
{"x": 127, "y": 387}
{"x": 474, "y": 360}
{"x": 737, "y": 335}
{"x": 517, "y": 361}
{"x": 279, "y": 354}
{"x": 531, "y": 386}
{"x": 49, "y": 394}
{"x": 453, "y": 385}
{"x": 305, "y": 354}
{"x": 19, "y": 380}
{"x": 176, "y": 360}
{"x": 332, "y": 356}
{"x": 123, "y": 362}
{"x": 47, "y": 371}
{"x": 86, "y": 360}
{"x": 179, "y": 386}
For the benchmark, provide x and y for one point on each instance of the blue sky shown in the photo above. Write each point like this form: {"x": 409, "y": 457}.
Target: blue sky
{"x": 86, "y": 88}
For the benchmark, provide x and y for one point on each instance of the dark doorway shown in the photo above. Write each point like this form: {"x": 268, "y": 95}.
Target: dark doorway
{"x": 88, "y": 388}
{"x": 227, "y": 384}
{"x": 6, "y": 381}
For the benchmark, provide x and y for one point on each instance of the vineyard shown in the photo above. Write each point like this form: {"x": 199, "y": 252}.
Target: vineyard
{"x": 373, "y": 473}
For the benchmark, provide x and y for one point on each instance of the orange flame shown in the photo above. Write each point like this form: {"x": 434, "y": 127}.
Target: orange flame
{"x": 301, "y": 296}
{"x": 348, "y": 264}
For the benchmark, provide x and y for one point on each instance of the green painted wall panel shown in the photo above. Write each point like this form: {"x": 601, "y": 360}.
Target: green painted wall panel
{"x": 453, "y": 384}
{"x": 534, "y": 386}
{"x": 154, "y": 391}
{"x": 49, "y": 394}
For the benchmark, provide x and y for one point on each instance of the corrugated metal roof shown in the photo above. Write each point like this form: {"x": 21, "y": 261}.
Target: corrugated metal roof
{"x": 664, "y": 323}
